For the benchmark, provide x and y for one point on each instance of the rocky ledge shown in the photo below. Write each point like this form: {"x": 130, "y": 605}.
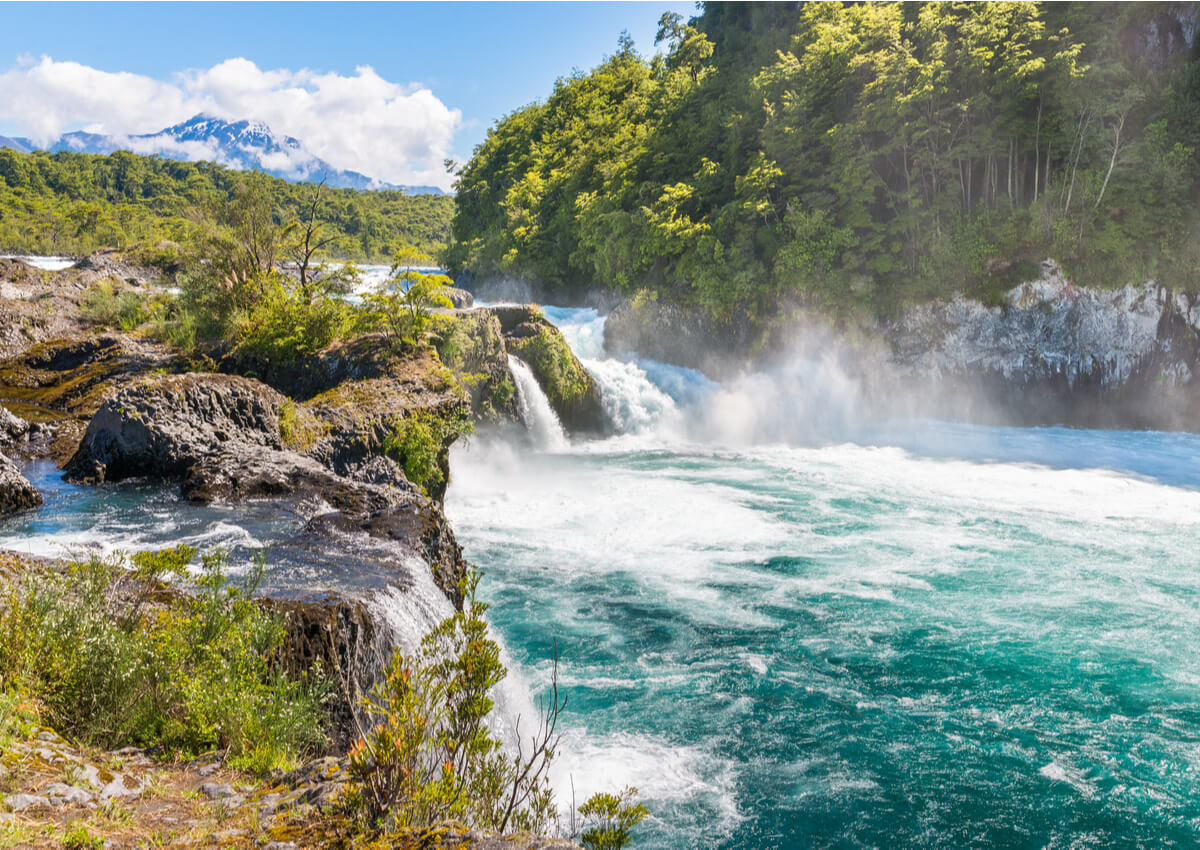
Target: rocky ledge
{"x": 220, "y": 436}
{"x": 1049, "y": 352}
{"x": 128, "y": 798}
{"x": 1054, "y": 352}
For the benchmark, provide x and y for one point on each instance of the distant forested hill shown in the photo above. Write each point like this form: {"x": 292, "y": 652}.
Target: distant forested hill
{"x": 72, "y": 203}
{"x": 853, "y": 155}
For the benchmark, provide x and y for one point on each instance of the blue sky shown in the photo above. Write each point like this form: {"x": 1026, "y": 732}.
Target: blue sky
{"x": 136, "y": 67}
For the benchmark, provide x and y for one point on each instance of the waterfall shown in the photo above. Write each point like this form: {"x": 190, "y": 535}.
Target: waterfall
{"x": 536, "y": 412}
{"x": 639, "y": 396}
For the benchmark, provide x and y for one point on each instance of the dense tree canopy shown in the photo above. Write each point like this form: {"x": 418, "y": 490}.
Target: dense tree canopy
{"x": 72, "y": 203}
{"x": 851, "y": 155}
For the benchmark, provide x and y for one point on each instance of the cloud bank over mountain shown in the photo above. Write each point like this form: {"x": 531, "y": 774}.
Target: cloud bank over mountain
{"x": 393, "y": 132}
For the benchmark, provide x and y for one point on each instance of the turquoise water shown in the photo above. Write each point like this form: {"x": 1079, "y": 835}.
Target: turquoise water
{"x": 927, "y": 635}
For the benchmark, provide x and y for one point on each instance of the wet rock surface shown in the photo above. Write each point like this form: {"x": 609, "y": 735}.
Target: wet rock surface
{"x": 16, "y": 493}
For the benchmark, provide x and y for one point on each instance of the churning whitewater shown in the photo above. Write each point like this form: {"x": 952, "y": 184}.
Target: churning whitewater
{"x": 788, "y": 627}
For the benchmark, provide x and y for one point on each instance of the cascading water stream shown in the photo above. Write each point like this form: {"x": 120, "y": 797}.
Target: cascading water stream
{"x": 539, "y": 417}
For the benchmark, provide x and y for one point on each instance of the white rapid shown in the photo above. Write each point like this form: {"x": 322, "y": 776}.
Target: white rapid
{"x": 49, "y": 264}
{"x": 540, "y": 420}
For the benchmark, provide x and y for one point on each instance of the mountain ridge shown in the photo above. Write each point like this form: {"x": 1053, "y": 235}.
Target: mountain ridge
{"x": 244, "y": 145}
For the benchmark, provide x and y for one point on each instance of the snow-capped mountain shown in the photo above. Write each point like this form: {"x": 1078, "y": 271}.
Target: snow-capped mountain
{"x": 246, "y": 145}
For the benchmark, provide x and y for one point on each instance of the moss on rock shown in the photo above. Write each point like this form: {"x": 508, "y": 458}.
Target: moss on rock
{"x": 572, "y": 392}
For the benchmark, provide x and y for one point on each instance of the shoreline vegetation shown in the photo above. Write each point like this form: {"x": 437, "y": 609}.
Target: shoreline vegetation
{"x": 159, "y": 657}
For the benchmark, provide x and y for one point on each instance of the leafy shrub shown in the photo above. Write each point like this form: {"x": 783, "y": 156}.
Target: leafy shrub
{"x": 403, "y": 305}
{"x": 114, "y": 665}
{"x": 418, "y": 441}
{"x": 78, "y": 838}
{"x": 613, "y": 817}
{"x": 103, "y": 306}
{"x": 283, "y": 326}
{"x": 430, "y": 755}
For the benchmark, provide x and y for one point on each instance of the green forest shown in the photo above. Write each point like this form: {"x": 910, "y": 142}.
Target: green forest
{"x": 852, "y": 157}
{"x": 73, "y": 203}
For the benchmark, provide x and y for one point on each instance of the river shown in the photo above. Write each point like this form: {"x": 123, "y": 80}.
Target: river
{"x": 789, "y": 626}
{"x": 905, "y": 634}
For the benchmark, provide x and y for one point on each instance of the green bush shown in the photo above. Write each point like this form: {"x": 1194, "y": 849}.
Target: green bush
{"x": 113, "y": 664}
{"x": 78, "y": 838}
{"x": 283, "y": 327}
{"x": 418, "y": 441}
{"x": 430, "y": 756}
{"x": 403, "y": 306}
{"x": 104, "y": 306}
{"x": 612, "y": 818}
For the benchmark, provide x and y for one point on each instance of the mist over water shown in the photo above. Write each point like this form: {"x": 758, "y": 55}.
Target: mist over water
{"x": 791, "y": 625}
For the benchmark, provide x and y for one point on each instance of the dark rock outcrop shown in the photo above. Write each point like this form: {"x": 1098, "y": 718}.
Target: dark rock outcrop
{"x": 62, "y": 383}
{"x": 164, "y": 425}
{"x": 241, "y": 471}
{"x": 459, "y": 298}
{"x": 219, "y": 435}
{"x": 686, "y": 336}
{"x": 16, "y": 493}
{"x": 340, "y": 636}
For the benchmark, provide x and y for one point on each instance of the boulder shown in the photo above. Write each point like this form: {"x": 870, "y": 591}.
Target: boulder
{"x": 13, "y": 429}
{"x": 460, "y": 298}
{"x": 164, "y": 425}
{"x": 16, "y": 493}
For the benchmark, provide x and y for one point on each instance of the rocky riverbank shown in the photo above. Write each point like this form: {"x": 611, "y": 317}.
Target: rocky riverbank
{"x": 354, "y": 439}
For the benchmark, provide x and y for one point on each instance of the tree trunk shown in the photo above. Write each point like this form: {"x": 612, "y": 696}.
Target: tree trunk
{"x": 1011, "y": 148}
{"x": 1113, "y": 160}
{"x": 1078, "y": 153}
{"x": 1037, "y": 150}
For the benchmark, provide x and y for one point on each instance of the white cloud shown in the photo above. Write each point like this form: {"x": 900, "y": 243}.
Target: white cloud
{"x": 393, "y": 132}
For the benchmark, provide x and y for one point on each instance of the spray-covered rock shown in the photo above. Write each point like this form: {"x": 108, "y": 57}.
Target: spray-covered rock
{"x": 1056, "y": 352}
{"x": 16, "y": 493}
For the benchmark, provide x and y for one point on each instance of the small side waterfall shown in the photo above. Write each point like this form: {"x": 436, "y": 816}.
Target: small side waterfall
{"x": 536, "y": 412}
{"x": 639, "y": 396}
